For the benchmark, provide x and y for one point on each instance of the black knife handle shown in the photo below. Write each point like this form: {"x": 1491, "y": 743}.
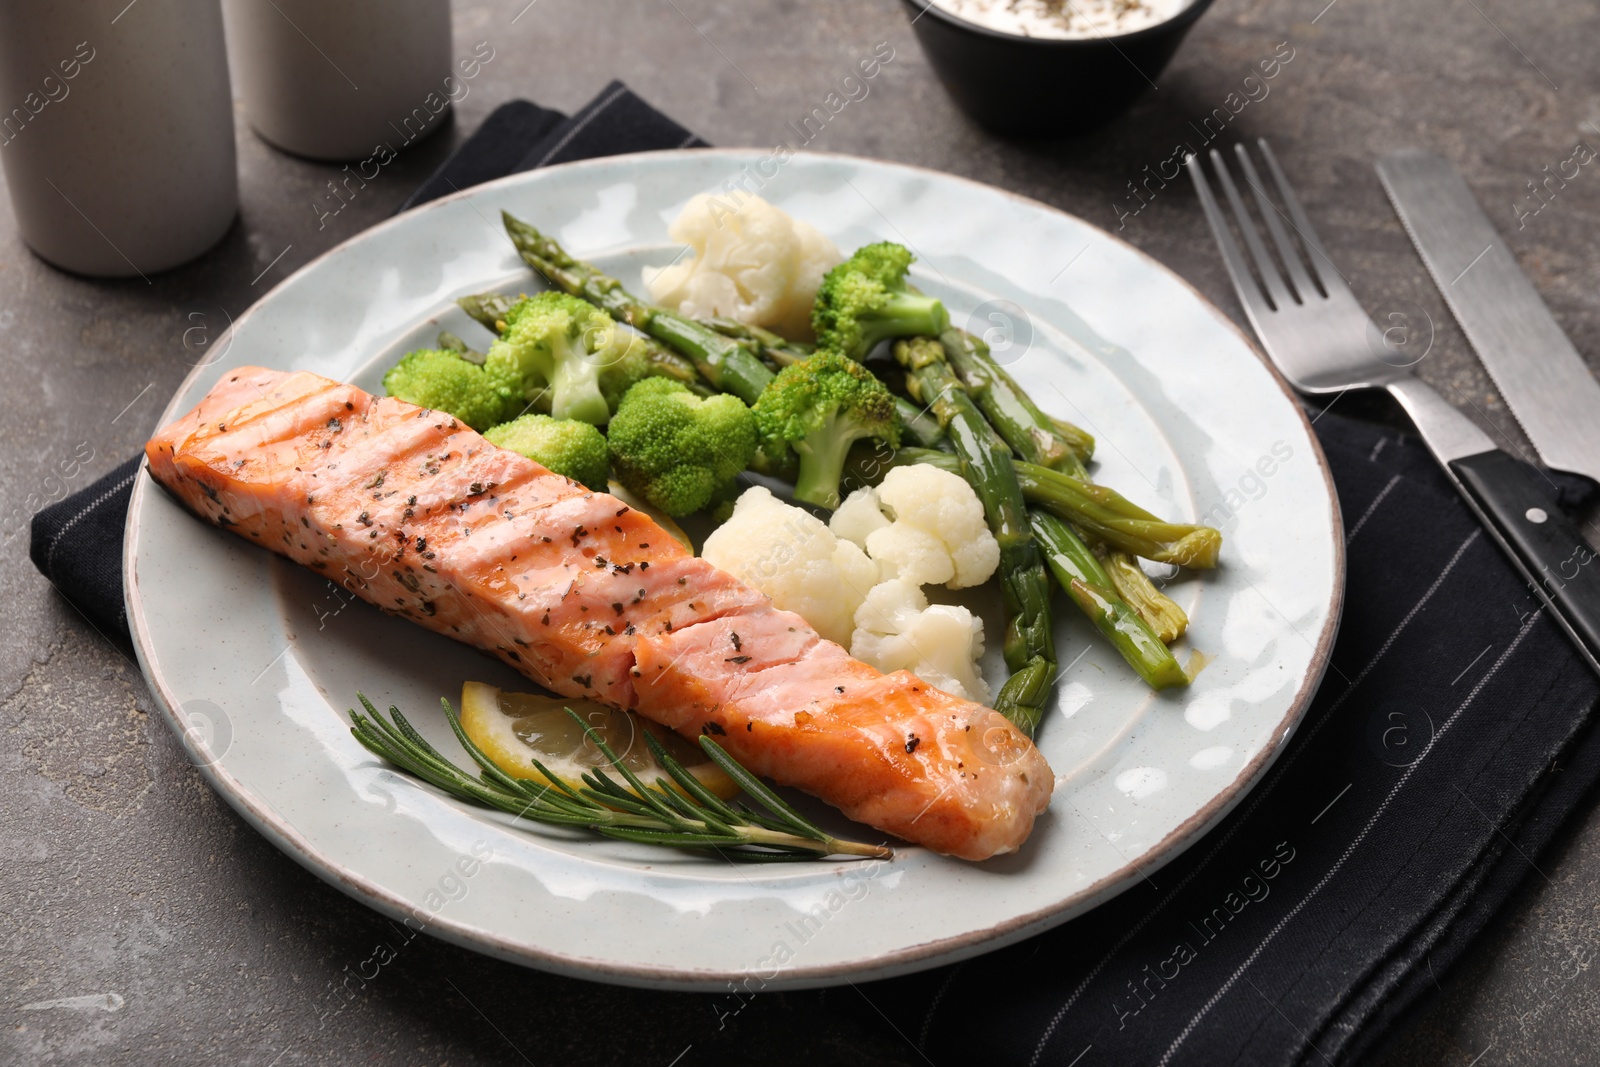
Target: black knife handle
{"x": 1558, "y": 562}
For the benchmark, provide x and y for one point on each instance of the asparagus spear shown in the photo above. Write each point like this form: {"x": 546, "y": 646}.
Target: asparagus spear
{"x": 728, "y": 364}
{"x": 488, "y": 308}
{"x": 918, "y": 424}
{"x": 984, "y": 460}
{"x": 1033, "y": 435}
{"x": 1084, "y": 580}
{"x": 1102, "y": 514}
{"x": 1132, "y": 584}
{"x": 778, "y": 351}
{"x": 1107, "y": 516}
{"x": 1071, "y": 432}
{"x": 451, "y": 343}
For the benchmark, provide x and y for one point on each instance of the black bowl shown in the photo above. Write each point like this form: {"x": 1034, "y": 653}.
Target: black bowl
{"x": 1038, "y": 86}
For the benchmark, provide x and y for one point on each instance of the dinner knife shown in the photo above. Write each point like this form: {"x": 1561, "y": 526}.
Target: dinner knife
{"x": 1541, "y": 375}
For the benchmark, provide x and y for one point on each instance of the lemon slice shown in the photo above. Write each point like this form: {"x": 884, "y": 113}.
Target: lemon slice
{"x": 514, "y": 729}
{"x": 662, "y": 519}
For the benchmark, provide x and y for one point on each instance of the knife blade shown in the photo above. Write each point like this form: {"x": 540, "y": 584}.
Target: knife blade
{"x": 1541, "y": 375}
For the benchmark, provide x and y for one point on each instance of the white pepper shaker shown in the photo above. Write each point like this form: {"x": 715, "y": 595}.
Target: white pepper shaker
{"x": 335, "y": 80}
{"x": 116, "y": 131}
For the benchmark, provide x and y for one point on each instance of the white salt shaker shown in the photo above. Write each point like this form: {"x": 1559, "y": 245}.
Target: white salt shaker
{"x": 116, "y": 131}
{"x": 337, "y": 80}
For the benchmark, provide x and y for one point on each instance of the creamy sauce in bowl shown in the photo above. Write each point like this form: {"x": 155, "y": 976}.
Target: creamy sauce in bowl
{"x": 1063, "y": 19}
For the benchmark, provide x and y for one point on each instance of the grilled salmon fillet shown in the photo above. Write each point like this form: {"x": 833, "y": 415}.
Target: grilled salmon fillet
{"x": 418, "y": 514}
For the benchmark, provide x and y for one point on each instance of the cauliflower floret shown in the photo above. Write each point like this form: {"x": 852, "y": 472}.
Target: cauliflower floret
{"x": 945, "y": 506}
{"x": 790, "y": 555}
{"x": 938, "y": 536}
{"x": 897, "y": 630}
{"x": 859, "y": 515}
{"x": 817, "y": 256}
{"x": 904, "y": 551}
{"x": 751, "y": 262}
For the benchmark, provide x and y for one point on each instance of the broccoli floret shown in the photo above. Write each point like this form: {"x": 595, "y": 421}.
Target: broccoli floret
{"x": 440, "y": 379}
{"x": 865, "y": 300}
{"x": 677, "y": 450}
{"x": 571, "y": 346}
{"x": 568, "y": 447}
{"x": 818, "y": 408}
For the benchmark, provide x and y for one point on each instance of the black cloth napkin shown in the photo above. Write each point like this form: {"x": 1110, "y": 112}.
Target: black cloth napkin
{"x": 1448, "y": 742}
{"x": 77, "y": 544}
{"x": 521, "y": 136}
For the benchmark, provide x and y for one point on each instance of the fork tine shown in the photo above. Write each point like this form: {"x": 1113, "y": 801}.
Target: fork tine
{"x": 1238, "y": 269}
{"x": 1298, "y": 279}
{"x": 1326, "y": 274}
{"x": 1270, "y": 279}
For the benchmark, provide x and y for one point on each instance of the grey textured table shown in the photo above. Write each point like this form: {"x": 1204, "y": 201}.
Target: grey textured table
{"x": 183, "y": 937}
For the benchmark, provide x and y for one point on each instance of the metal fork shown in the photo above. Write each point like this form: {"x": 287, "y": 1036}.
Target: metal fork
{"x": 1318, "y": 336}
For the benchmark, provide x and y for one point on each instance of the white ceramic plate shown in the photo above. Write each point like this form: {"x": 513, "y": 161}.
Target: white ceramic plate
{"x": 255, "y": 661}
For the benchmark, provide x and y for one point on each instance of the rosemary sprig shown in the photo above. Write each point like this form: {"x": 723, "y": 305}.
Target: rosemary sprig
{"x": 690, "y": 816}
